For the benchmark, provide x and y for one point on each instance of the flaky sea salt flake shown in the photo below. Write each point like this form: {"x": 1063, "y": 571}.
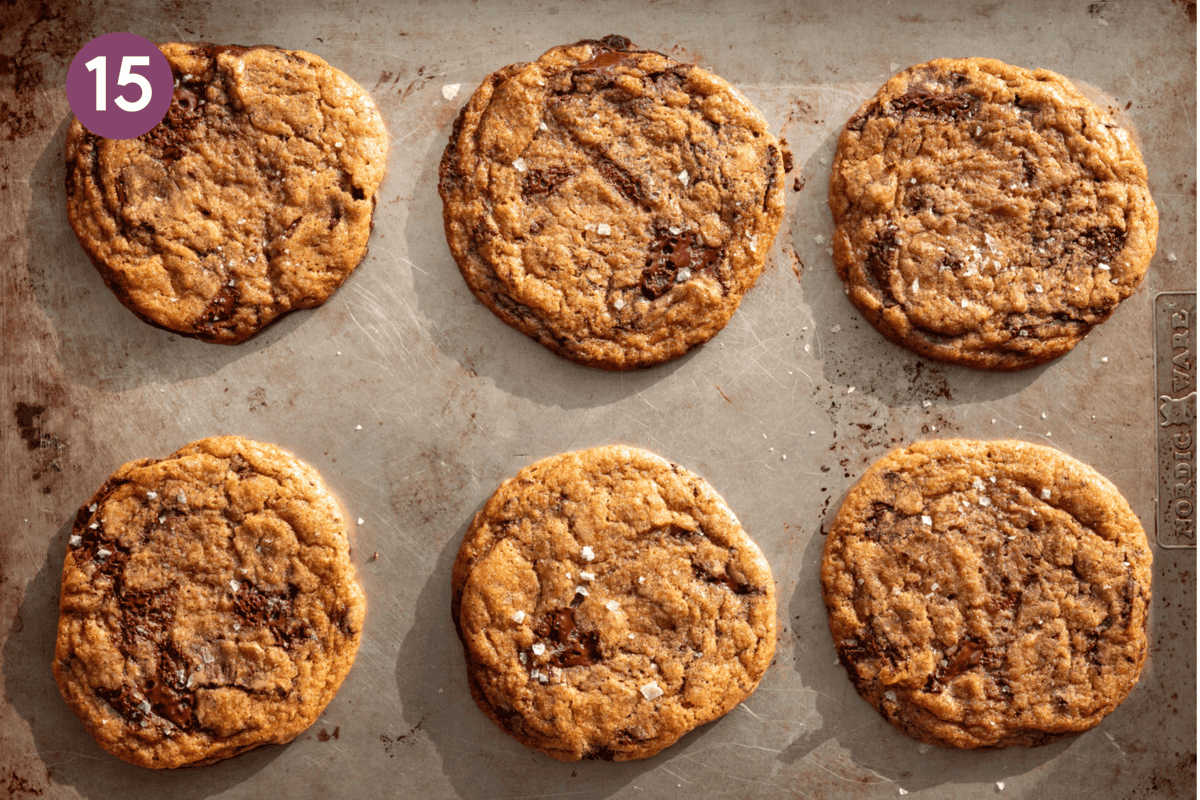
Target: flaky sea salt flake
{"x": 450, "y": 91}
{"x": 588, "y": 553}
{"x": 683, "y": 177}
{"x": 651, "y": 691}
{"x": 612, "y": 605}
{"x": 519, "y": 164}
{"x": 538, "y": 648}
{"x": 76, "y": 540}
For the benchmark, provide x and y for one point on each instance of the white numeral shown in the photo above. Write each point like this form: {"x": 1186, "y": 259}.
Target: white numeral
{"x": 99, "y": 65}
{"x": 126, "y": 77}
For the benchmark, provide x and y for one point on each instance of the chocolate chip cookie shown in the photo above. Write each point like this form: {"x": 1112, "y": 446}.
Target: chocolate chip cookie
{"x": 988, "y": 215}
{"x": 208, "y": 604}
{"x": 988, "y": 594}
{"x": 611, "y": 203}
{"x": 608, "y": 603}
{"x": 252, "y": 197}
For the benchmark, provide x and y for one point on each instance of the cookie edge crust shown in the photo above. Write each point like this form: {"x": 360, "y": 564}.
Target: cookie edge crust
{"x": 1139, "y": 247}
{"x": 478, "y": 542}
{"x": 1097, "y": 487}
{"x": 82, "y": 701}
{"x": 77, "y": 134}
{"x": 601, "y": 353}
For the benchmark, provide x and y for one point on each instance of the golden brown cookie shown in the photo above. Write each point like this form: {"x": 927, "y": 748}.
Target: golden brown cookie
{"x": 608, "y": 603}
{"x": 987, "y": 594}
{"x": 252, "y": 197}
{"x": 208, "y": 604}
{"x": 988, "y": 215}
{"x": 611, "y": 203}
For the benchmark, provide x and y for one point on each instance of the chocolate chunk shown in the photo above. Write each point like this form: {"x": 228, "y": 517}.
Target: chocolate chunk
{"x": 670, "y": 253}
{"x": 616, "y": 42}
{"x": 271, "y": 610}
{"x": 935, "y": 106}
{"x": 970, "y": 654}
{"x": 1101, "y": 244}
{"x": 220, "y": 310}
{"x": 626, "y": 184}
{"x": 544, "y": 181}
{"x": 605, "y": 61}
{"x": 124, "y": 703}
{"x": 881, "y": 257}
{"x": 574, "y": 647}
{"x": 557, "y": 626}
{"x": 214, "y": 50}
{"x": 185, "y": 100}
{"x": 146, "y": 614}
{"x": 600, "y": 754}
{"x": 168, "y": 693}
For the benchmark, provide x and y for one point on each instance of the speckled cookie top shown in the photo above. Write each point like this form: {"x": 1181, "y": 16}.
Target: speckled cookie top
{"x": 611, "y": 203}
{"x": 208, "y": 604}
{"x": 252, "y": 197}
{"x": 988, "y": 215}
{"x": 987, "y": 594}
{"x": 609, "y": 602}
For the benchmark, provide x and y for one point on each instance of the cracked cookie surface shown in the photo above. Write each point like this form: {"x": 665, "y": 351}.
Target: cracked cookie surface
{"x": 208, "y": 604}
{"x": 608, "y": 603}
{"x": 988, "y": 594}
{"x": 611, "y": 203}
{"x": 252, "y": 198}
{"x": 988, "y": 215}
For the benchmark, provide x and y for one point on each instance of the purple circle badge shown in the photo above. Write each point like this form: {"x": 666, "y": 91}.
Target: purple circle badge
{"x": 119, "y": 85}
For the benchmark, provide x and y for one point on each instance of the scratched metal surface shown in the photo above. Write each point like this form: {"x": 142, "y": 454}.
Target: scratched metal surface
{"x": 781, "y": 412}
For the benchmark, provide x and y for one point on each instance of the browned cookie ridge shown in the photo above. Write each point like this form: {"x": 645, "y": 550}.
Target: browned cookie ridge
{"x": 253, "y": 197}
{"x": 988, "y": 215}
{"x": 988, "y": 594}
{"x": 208, "y": 604}
{"x": 611, "y": 203}
{"x": 608, "y": 603}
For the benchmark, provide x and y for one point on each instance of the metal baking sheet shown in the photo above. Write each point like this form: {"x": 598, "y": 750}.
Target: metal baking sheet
{"x": 414, "y": 402}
